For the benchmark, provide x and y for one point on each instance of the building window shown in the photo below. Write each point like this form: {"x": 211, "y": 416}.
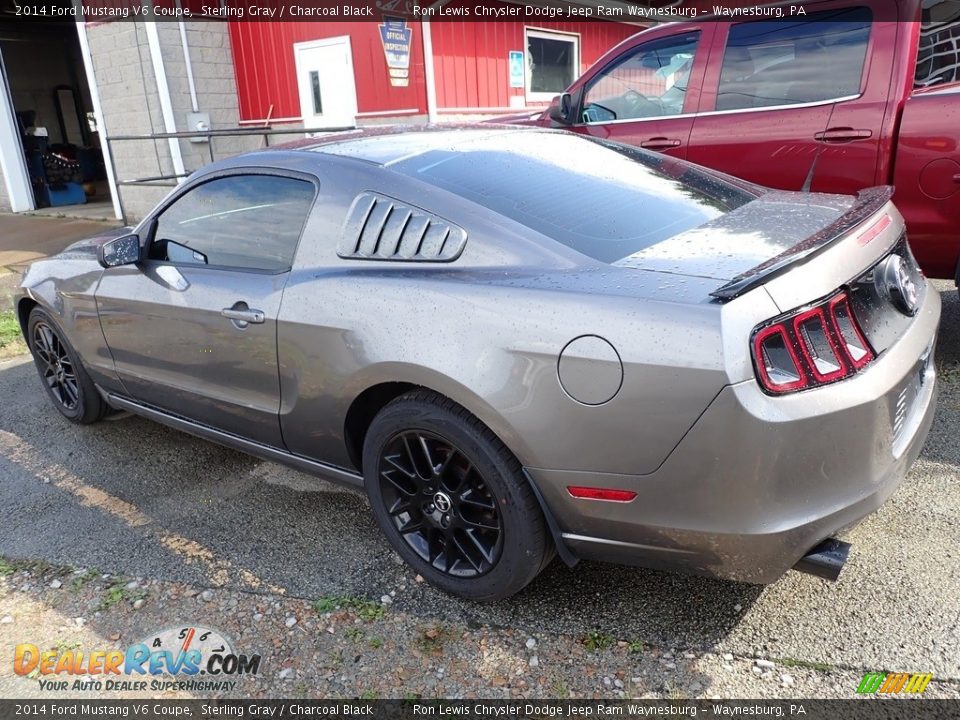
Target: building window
{"x": 315, "y": 87}
{"x": 553, "y": 63}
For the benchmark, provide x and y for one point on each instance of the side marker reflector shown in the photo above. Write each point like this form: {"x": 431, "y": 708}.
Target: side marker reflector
{"x": 595, "y": 493}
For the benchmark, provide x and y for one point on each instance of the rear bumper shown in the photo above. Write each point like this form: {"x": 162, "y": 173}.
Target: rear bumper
{"x": 758, "y": 481}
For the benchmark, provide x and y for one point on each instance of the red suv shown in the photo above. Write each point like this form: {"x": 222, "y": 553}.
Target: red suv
{"x": 854, "y": 94}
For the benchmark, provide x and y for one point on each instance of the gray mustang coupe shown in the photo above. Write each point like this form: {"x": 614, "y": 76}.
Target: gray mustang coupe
{"x": 520, "y": 343}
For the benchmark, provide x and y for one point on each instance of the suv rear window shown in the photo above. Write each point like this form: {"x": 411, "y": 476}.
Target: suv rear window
{"x": 604, "y": 200}
{"x": 938, "y": 58}
{"x": 789, "y": 63}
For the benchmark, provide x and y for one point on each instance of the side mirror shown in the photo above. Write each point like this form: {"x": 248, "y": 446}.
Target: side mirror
{"x": 561, "y": 109}
{"x": 124, "y": 250}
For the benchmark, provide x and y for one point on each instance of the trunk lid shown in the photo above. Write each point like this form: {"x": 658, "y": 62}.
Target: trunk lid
{"x": 754, "y": 243}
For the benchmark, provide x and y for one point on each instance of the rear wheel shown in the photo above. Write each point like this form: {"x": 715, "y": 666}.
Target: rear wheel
{"x": 67, "y": 384}
{"x": 452, "y": 499}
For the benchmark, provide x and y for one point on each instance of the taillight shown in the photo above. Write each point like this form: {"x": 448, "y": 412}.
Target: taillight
{"x": 811, "y": 347}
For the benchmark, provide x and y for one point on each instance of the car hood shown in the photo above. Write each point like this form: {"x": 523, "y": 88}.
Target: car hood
{"x": 744, "y": 238}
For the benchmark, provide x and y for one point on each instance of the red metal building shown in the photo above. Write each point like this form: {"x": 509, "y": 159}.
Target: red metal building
{"x": 405, "y": 67}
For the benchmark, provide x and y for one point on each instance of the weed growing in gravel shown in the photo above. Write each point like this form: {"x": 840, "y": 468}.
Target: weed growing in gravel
{"x": 375, "y": 643}
{"x": 63, "y": 646}
{"x": 596, "y": 640}
{"x": 560, "y": 690}
{"x": 334, "y": 660}
{"x": 117, "y": 592}
{"x": 81, "y": 581}
{"x": 637, "y": 646}
{"x": 113, "y": 596}
{"x": 354, "y": 634}
{"x": 366, "y": 610}
{"x": 368, "y": 695}
{"x": 810, "y": 665}
{"x": 432, "y": 639}
{"x": 6, "y": 568}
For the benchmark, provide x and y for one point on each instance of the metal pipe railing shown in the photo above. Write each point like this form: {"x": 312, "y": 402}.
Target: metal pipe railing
{"x": 208, "y": 135}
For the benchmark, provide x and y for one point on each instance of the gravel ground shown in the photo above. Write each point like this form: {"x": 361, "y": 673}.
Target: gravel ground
{"x": 351, "y": 647}
{"x": 193, "y": 520}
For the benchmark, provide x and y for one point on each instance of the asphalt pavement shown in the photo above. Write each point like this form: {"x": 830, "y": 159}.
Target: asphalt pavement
{"x": 131, "y": 497}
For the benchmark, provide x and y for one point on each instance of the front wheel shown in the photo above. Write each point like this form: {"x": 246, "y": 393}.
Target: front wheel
{"x": 67, "y": 384}
{"x": 452, "y": 499}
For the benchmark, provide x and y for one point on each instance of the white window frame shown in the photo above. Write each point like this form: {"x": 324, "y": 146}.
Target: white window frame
{"x": 536, "y": 32}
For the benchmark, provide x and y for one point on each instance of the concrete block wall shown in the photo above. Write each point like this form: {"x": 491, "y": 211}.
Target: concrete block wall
{"x": 131, "y": 103}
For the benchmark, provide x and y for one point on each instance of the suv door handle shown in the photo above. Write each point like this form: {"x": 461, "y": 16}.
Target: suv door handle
{"x": 660, "y": 143}
{"x": 842, "y": 134}
{"x": 242, "y": 316}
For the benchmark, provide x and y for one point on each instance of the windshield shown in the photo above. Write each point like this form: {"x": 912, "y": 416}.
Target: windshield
{"x": 602, "y": 199}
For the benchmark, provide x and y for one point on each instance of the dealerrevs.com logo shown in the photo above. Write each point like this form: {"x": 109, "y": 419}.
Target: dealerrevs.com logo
{"x": 188, "y": 658}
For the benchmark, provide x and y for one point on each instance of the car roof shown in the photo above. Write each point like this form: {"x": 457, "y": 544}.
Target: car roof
{"x": 386, "y": 144}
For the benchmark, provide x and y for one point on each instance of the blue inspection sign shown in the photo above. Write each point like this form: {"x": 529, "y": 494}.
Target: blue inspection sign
{"x": 516, "y": 69}
{"x": 395, "y": 37}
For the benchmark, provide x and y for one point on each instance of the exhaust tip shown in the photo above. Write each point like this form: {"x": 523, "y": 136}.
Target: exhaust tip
{"x": 826, "y": 560}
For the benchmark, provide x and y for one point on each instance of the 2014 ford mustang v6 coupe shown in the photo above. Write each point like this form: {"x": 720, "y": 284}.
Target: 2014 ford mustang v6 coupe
{"x": 520, "y": 343}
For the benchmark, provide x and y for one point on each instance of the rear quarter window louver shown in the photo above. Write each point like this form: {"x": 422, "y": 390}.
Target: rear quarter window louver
{"x": 381, "y": 228}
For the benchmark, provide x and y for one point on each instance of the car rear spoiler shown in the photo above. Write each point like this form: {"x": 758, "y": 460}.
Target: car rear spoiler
{"x": 868, "y": 202}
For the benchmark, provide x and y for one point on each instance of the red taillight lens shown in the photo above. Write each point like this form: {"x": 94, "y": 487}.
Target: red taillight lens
{"x": 855, "y": 344}
{"x": 813, "y": 347}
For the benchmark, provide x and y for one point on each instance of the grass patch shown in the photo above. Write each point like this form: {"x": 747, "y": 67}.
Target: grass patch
{"x": 11, "y": 337}
{"x": 596, "y": 640}
{"x": 6, "y": 568}
{"x": 118, "y": 592}
{"x": 808, "y": 664}
{"x": 366, "y": 610}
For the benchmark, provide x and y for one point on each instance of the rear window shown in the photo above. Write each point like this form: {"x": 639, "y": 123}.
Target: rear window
{"x": 820, "y": 57}
{"x": 604, "y": 200}
{"x": 938, "y": 57}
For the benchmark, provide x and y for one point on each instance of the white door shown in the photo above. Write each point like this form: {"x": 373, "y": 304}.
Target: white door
{"x": 328, "y": 93}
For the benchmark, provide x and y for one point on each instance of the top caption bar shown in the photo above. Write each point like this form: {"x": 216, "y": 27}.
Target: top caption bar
{"x": 434, "y": 11}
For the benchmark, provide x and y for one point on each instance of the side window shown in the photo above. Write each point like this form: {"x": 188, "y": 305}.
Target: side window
{"x": 938, "y": 59}
{"x": 788, "y": 63}
{"x": 651, "y": 81}
{"x": 249, "y": 222}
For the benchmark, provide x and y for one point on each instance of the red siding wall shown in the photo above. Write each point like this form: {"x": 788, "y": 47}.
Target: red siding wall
{"x": 470, "y": 61}
{"x": 266, "y": 72}
{"x": 470, "y": 58}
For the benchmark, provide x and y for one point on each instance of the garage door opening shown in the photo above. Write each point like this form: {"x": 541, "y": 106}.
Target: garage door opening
{"x": 52, "y": 157}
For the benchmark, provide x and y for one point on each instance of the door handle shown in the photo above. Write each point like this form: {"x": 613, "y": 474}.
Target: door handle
{"x": 842, "y": 134}
{"x": 660, "y": 143}
{"x": 242, "y": 316}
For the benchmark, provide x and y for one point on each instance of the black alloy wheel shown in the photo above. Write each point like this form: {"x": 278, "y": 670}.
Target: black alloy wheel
{"x": 451, "y": 498}
{"x": 63, "y": 375}
{"x": 440, "y": 504}
{"x": 55, "y": 366}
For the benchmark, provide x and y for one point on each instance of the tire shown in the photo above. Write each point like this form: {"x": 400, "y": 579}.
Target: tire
{"x": 486, "y": 538}
{"x": 64, "y": 378}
